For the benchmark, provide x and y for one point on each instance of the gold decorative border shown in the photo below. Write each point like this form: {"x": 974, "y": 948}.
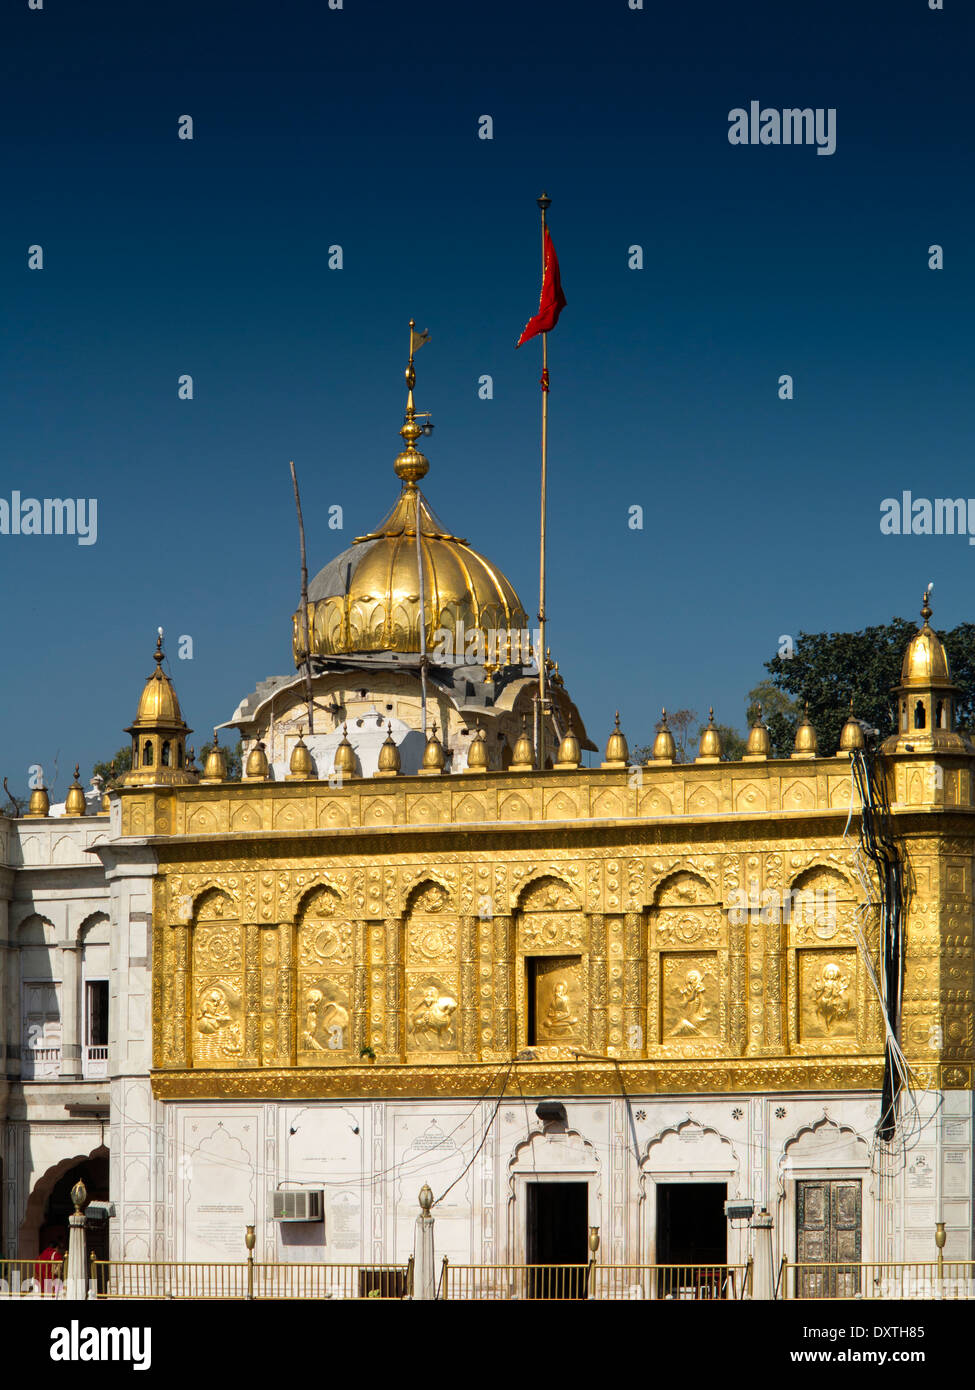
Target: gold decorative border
{"x": 577, "y": 1079}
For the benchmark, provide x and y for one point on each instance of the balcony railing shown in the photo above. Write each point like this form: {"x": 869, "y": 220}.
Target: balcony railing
{"x": 40, "y": 1062}
{"x": 216, "y": 1280}
{"x": 96, "y": 1061}
{"x": 31, "y": 1278}
{"x": 552, "y": 1282}
{"x": 887, "y": 1279}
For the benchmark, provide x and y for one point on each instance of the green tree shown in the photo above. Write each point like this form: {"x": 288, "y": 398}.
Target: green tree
{"x": 122, "y": 761}
{"x": 827, "y": 668}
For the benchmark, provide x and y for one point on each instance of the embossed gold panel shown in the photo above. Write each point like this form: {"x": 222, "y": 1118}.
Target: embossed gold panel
{"x": 827, "y": 995}
{"x": 559, "y": 1000}
{"x": 217, "y": 984}
{"x": 690, "y": 996}
{"x": 324, "y": 975}
{"x": 432, "y": 977}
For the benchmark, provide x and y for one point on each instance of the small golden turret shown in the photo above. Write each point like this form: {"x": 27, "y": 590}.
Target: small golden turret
{"x": 806, "y": 742}
{"x": 74, "y": 802}
{"x": 106, "y": 801}
{"x": 664, "y": 747}
{"x": 159, "y": 733}
{"x": 40, "y": 803}
{"x": 302, "y": 767}
{"x": 523, "y": 757}
{"x": 570, "y": 754}
{"x": 710, "y": 750}
{"x": 434, "y": 757}
{"x": 617, "y": 751}
{"x": 344, "y": 763}
{"x": 477, "y": 753}
{"x": 389, "y": 760}
{"x": 215, "y": 767}
{"x": 256, "y": 767}
{"x": 851, "y": 735}
{"x": 759, "y": 745}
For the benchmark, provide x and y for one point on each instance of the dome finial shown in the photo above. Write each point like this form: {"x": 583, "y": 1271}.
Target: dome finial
{"x": 411, "y": 465}
{"x": 159, "y": 655}
{"x": 926, "y": 604}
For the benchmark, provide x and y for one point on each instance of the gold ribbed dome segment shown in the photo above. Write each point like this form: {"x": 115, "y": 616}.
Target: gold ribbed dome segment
{"x": 477, "y": 753}
{"x": 215, "y": 766}
{"x": 617, "y": 749}
{"x": 711, "y": 749}
{"x": 570, "y": 754}
{"x": 301, "y": 767}
{"x": 389, "y": 758}
{"x": 523, "y": 755}
{"x": 759, "y": 744}
{"x": 74, "y": 803}
{"x": 256, "y": 766}
{"x": 40, "y": 803}
{"x": 664, "y": 746}
{"x": 159, "y": 733}
{"x": 925, "y": 661}
{"x": 851, "y": 735}
{"x": 344, "y": 762}
{"x": 434, "y": 757}
{"x": 807, "y": 745}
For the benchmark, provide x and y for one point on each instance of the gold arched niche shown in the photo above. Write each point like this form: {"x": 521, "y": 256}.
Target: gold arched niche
{"x": 551, "y": 966}
{"x": 830, "y": 1002}
{"x": 324, "y": 961}
{"x": 216, "y": 1024}
{"x": 431, "y": 959}
{"x": 687, "y": 958}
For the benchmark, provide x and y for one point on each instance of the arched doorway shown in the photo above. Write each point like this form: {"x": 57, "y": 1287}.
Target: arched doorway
{"x": 49, "y": 1205}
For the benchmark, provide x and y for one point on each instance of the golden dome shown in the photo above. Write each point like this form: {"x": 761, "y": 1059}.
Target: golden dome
{"x": 664, "y": 747}
{"x": 851, "y": 735}
{"x": 389, "y": 761}
{"x": 710, "y": 750}
{"x": 433, "y": 755}
{"x": 40, "y": 802}
{"x": 807, "y": 745}
{"x": 759, "y": 744}
{"x": 925, "y": 661}
{"x": 345, "y": 760}
{"x": 570, "y": 754}
{"x": 215, "y": 767}
{"x": 158, "y": 704}
{"x": 477, "y": 753}
{"x": 74, "y": 802}
{"x": 301, "y": 767}
{"x": 368, "y": 598}
{"x": 523, "y": 757}
{"x": 158, "y": 733}
{"x": 255, "y": 769}
{"x": 617, "y": 751}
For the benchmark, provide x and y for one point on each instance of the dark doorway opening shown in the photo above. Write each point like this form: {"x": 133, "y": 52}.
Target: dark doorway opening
{"x": 93, "y": 1172}
{"x": 692, "y": 1240}
{"x": 558, "y": 1236}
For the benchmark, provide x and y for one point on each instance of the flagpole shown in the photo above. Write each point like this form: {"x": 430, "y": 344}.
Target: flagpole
{"x": 544, "y": 203}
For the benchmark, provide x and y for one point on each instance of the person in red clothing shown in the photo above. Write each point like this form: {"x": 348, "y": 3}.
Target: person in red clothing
{"x": 49, "y": 1263}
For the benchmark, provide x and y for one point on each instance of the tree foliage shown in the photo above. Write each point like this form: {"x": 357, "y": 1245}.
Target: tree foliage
{"x": 122, "y": 761}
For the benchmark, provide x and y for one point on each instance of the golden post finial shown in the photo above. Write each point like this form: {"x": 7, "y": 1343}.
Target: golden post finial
{"x": 411, "y": 465}
{"x": 926, "y": 603}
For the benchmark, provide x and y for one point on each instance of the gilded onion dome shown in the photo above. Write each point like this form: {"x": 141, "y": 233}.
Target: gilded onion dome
{"x": 851, "y": 735}
{"x": 74, "y": 802}
{"x": 389, "y": 759}
{"x": 617, "y": 750}
{"x": 523, "y": 756}
{"x": 926, "y": 696}
{"x": 345, "y": 759}
{"x": 434, "y": 757}
{"x": 215, "y": 766}
{"x": 925, "y": 661}
{"x": 570, "y": 754}
{"x": 158, "y": 733}
{"x": 368, "y": 598}
{"x": 710, "y": 750}
{"x": 256, "y": 766}
{"x": 40, "y": 802}
{"x": 664, "y": 747}
{"x": 807, "y": 745}
{"x": 301, "y": 767}
{"x": 759, "y": 744}
{"x": 477, "y": 753}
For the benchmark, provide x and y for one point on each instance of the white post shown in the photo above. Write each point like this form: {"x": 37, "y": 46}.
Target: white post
{"x": 424, "y": 1278}
{"x": 763, "y": 1285}
{"x": 76, "y": 1278}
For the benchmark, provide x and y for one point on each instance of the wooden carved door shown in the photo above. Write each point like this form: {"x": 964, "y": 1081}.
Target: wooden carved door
{"x": 828, "y": 1233}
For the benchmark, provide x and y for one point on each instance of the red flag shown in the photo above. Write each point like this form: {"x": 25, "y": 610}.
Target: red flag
{"x": 551, "y": 301}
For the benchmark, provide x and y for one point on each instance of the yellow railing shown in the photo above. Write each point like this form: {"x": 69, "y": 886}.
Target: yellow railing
{"x": 31, "y": 1278}
{"x": 513, "y": 1282}
{"x": 692, "y": 1283}
{"x": 887, "y": 1279}
{"x": 214, "y": 1280}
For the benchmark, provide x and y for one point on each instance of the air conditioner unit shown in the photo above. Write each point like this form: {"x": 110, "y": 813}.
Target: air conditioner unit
{"x": 307, "y": 1204}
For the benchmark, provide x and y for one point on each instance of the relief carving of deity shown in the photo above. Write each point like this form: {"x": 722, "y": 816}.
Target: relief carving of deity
{"x": 325, "y": 1025}
{"x": 432, "y": 1020}
{"x": 696, "y": 1011}
{"x": 830, "y": 998}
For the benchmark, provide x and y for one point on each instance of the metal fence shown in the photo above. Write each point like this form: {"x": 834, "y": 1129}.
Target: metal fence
{"x": 690, "y": 1283}
{"x": 158, "y": 1279}
{"x": 606, "y": 1283}
{"x": 916, "y": 1279}
{"x": 31, "y": 1278}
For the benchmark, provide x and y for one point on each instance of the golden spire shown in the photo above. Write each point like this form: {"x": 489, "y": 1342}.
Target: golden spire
{"x": 411, "y": 465}
{"x": 159, "y": 732}
{"x": 74, "y": 802}
{"x": 301, "y": 768}
{"x": 664, "y": 747}
{"x": 433, "y": 755}
{"x": 851, "y": 735}
{"x": 344, "y": 762}
{"x": 759, "y": 744}
{"x": 389, "y": 760}
{"x": 807, "y": 744}
{"x": 477, "y": 753}
{"x": 710, "y": 749}
{"x": 570, "y": 754}
{"x": 40, "y": 802}
{"x": 215, "y": 767}
{"x": 523, "y": 757}
{"x": 256, "y": 768}
{"x": 617, "y": 751}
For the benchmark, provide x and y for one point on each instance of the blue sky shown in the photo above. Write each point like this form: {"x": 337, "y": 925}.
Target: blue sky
{"x": 358, "y": 127}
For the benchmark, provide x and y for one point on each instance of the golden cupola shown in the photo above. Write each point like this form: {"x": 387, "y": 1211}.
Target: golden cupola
{"x": 851, "y": 735}
{"x": 926, "y": 696}
{"x": 570, "y": 754}
{"x": 368, "y": 599}
{"x": 664, "y": 746}
{"x": 389, "y": 758}
{"x": 617, "y": 750}
{"x": 215, "y": 767}
{"x": 158, "y": 733}
{"x": 759, "y": 745}
{"x": 711, "y": 749}
{"x": 74, "y": 802}
{"x": 345, "y": 763}
{"x": 523, "y": 754}
{"x": 807, "y": 745}
{"x": 434, "y": 757}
